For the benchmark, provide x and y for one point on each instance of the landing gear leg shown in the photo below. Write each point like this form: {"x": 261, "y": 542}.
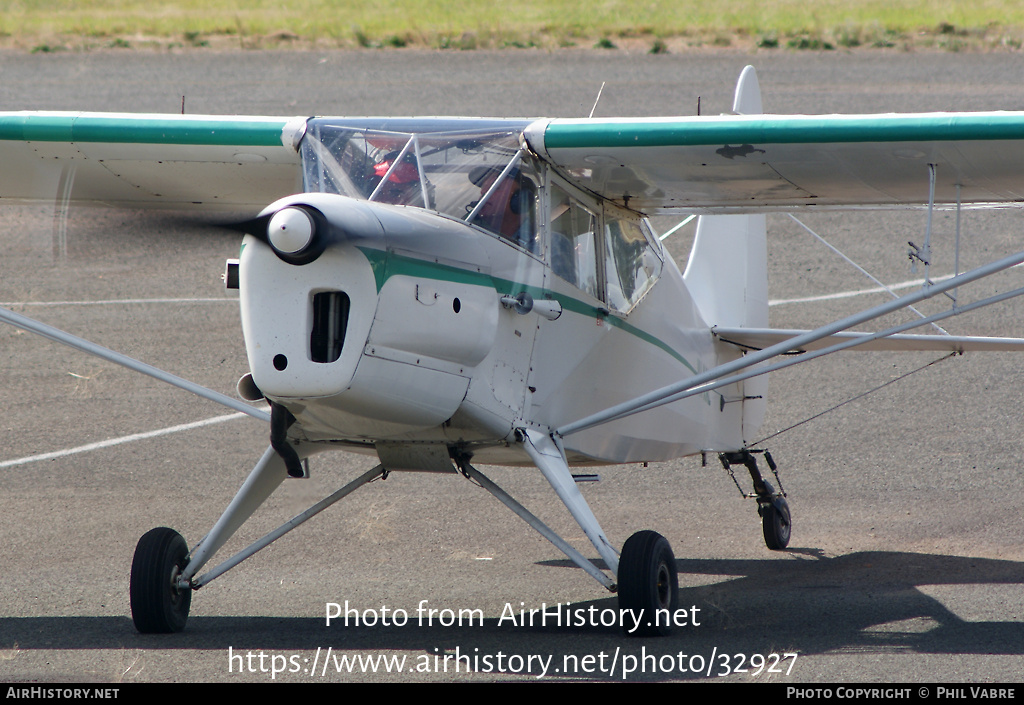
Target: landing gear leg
{"x": 646, "y": 573}
{"x": 162, "y": 572}
{"x": 776, "y": 522}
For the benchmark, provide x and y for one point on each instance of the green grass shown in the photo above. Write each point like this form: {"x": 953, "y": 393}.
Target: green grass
{"x": 468, "y": 24}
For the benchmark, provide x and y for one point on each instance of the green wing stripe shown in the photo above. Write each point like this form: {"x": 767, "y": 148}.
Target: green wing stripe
{"x": 789, "y": 130}
{"x": 141, "y": 130}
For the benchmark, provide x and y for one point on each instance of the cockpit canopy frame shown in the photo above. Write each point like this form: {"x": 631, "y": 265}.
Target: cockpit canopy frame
{"x": 480, "y": 172}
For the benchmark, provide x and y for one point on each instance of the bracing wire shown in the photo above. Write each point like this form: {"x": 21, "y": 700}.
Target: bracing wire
{"x": 852, "y": 399}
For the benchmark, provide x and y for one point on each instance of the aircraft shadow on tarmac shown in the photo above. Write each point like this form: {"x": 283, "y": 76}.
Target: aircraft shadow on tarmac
{"x": 859, "y": 603}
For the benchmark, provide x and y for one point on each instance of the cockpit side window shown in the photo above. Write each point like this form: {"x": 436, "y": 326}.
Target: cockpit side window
{"x": 606, "y": 251}
{"x": 631, "y": 263}
{"x": 573, "y": 248}
{"x": 508, "y": 203}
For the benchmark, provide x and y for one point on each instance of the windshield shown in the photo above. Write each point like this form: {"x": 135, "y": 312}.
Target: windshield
{"x": 439, "y": 171}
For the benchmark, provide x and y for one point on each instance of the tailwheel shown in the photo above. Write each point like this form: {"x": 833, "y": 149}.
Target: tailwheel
{"x": 159, "y": 606}
{"x": 776, "y": 523}
{"x": 648, "y": 581}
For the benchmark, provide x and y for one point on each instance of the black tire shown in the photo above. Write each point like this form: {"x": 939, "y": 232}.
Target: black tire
{"x": 776, "y": 524}
{"x": 648, "y": 581}
{"x": 158, "y": 605}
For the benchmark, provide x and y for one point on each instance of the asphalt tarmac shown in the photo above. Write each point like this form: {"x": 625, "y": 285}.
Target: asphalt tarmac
{"x": 906, "y": 561}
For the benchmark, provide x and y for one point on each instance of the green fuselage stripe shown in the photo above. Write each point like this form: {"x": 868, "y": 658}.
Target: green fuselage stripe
{"x": 141, "y": 130}
{"x": 388, "y": 264}
{"x": 789, "y": 130}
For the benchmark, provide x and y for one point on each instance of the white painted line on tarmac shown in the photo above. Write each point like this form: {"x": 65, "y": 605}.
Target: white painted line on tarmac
{"x": 859, "y": 292}
{"x": 105, "y": 302}
{"x": 119, "y": 441}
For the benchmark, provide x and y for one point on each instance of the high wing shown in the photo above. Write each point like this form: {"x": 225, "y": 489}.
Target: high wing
{"x": 149, "y": 161}
{"x": 729, "y": 163}
{"x": 758, "y": 163}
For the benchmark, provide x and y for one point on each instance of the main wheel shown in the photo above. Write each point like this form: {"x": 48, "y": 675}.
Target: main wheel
{"x": 648, "y": 581}
{"x": 159, "y": 606}
{"x": 776, "y": 524}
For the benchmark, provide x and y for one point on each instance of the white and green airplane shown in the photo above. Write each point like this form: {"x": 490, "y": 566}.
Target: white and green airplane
{"x": 443, "y": 292}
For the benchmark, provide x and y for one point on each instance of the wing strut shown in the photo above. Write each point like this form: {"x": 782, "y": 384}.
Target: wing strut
{"x": 58, "y": 336}
{"x": 719, "y": 375}
{"x": 846, "y": 343}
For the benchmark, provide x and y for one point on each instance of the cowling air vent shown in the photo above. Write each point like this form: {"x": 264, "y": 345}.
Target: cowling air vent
{"x": 330, "y": 319}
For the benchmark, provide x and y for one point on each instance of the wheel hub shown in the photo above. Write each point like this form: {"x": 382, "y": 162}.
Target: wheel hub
{"x": 664, "y": 586}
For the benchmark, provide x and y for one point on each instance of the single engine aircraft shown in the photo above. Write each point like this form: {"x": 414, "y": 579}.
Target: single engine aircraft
{"x": 436, "y": 293}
